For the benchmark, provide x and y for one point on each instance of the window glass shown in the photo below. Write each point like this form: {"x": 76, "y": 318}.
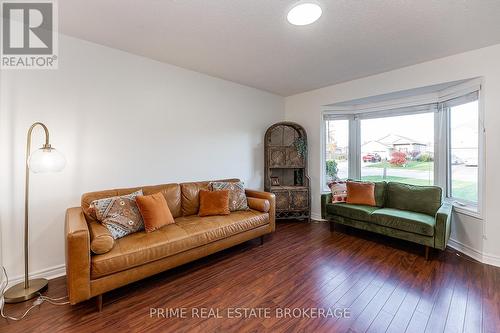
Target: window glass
{"x": 399, "y": 148}
{"x": 464, "y": 151}
{"x": 336, "y": 149}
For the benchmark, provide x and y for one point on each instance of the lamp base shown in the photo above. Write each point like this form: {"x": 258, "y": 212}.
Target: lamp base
{"x": 17, "y": 293}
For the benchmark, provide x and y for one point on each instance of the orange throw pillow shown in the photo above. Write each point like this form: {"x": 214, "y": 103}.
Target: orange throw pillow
{"x": 214, "y": 203}
{"x": 154, "y": 210}
{"x": 361, "y": 193}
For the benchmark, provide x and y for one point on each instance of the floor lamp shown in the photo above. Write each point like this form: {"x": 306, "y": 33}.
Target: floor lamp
{"x": 43, "y": 160}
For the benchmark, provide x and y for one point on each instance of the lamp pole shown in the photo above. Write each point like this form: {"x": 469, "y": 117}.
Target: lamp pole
{"x": 30, "y": 288}
{"x": 26, "y": 196}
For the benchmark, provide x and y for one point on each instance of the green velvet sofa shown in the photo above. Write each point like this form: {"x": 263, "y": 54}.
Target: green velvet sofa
{"x": 413, "y": 213}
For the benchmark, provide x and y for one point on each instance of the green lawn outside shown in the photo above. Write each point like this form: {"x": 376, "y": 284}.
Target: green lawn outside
{"x": 410, "y": 165}
{"x": 465, "y": 190}
{"x": 412, "y": 181}
{"x": 461, "y": 190}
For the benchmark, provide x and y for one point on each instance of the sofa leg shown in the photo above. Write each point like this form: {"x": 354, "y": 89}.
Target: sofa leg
{"x": 262, "y": 240}
{"x": 426, "y": 253}
{"x": 99, "y": 302}
{"x": 332, "y": 226}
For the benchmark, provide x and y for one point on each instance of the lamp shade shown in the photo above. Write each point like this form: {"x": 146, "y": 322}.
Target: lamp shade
{"x": 45, "y": 160}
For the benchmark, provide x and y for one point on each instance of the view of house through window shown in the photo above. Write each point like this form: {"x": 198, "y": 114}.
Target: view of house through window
{"x": 464, "y": 151}
{"x": 399, "y": 148}
{"x": 336, "y": 149}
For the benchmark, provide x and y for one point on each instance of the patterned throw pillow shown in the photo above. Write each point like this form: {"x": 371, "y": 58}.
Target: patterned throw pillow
{"x": 339, "y": 191}
{"x": 237, "y": 196}
{"x": 119, "y": 214}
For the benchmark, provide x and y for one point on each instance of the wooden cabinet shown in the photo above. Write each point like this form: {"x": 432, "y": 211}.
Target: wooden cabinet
{"x": 286, "y": 170}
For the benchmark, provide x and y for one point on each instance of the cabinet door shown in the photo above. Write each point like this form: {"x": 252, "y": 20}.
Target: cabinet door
{"x": 277, "y": 157}
{"x": 282, "y": 200}
{"x": 299, "y": 200}
{"x": 293, "y": 159}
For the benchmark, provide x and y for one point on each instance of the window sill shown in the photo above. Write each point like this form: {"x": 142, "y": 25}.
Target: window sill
{"x": 468, "y": 210}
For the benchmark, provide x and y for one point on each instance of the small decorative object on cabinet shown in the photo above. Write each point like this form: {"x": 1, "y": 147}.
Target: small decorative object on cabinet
{"x": 286, "y": 170}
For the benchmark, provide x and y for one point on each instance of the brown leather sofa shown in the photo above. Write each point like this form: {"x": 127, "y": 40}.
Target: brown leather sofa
{"x": 142, "y": 254}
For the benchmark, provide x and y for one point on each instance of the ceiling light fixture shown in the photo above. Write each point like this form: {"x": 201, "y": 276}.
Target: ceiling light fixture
{"x": 304, "y": 13}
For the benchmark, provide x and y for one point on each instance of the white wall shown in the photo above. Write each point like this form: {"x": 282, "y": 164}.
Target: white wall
{"x": 467, "y": 232}
{"x": 121, "y": 120}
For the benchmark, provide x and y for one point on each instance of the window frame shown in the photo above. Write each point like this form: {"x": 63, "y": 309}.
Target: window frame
{"x": 474, "y": 209}
{"x": 333, "y": 117}
{"x": 442, "y": 174}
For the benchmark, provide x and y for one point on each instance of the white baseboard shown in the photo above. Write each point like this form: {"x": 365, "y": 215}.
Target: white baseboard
{"x": 465, "y": 249}
{"x": 48, "y": 273}
{"x": 316, "y": 217}
{"x": 491, "y": 259}
{"x": 480, "y": 256}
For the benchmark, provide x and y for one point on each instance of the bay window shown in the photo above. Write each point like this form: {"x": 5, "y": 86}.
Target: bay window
{"x": 423, "y": 140}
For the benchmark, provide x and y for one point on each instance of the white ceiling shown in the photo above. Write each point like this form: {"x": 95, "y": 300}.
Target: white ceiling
{"x": 250, "y": 41}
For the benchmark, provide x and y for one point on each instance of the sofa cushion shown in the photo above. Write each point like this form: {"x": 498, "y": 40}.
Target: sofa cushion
{"x": 186, "y": 233}
{"x": 380, "y": 192}
{"x": 420, "y": 199}
{"x": 356, "y": 212}
{"x": 416, "y": 223}
{"x": 237, "y": 196}
{"x": 214, "y": 203}
{"x": 171, "y": 192}
{"x": 361, "y": 193}
{"x": 190, "y": 195}
{"x": 154, "y": 210}
{"x": 339, "y": 191}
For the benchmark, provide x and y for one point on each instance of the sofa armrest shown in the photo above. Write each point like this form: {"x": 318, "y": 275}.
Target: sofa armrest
{"x": 272, "y": 204}
{"x": 325, "y": 198}
{"x": 262, "y": 205}
{"x": 443, "y": 226}
{"x": 77, "y": 241}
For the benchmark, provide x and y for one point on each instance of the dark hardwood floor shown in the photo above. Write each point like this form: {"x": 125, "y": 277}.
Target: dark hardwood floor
{"x": 386, "y": 284}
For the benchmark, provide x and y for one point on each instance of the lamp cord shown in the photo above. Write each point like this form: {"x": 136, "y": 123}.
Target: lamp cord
{"x": 37, "y": 302}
